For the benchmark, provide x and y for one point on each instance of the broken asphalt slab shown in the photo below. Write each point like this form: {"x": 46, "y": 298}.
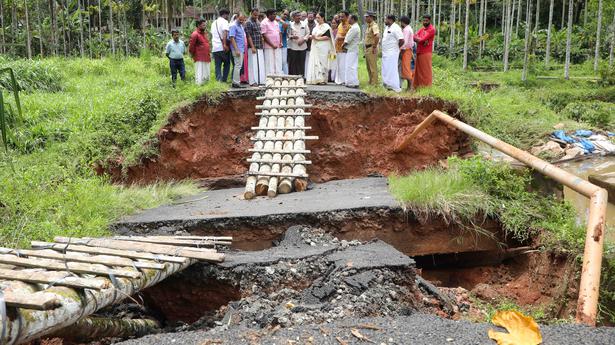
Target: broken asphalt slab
{"x": 226, "y": 207}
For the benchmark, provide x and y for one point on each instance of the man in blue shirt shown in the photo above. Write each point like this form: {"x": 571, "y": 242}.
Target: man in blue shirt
{"x": 175, "y": 51}
{"x": 238, "y": 47}
{"x": 284, "y": 25}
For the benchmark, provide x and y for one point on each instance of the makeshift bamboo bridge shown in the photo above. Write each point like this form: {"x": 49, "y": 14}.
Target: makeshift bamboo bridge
{"x": 54, "y": 285}
{"x": 278, "y": 162}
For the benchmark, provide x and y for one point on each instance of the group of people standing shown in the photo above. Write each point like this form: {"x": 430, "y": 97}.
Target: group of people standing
{"x": 302, "y": 43}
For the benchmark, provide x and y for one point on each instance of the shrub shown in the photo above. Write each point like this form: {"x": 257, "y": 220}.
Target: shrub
{"x": 607, "y": 76}
{"x": 32, "y": 75}
{"x": 596, "y": 113}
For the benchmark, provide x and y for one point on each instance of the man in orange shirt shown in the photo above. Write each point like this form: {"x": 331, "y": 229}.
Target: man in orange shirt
{"x": 424, "y": 48}
{"x": 342, "y": 30}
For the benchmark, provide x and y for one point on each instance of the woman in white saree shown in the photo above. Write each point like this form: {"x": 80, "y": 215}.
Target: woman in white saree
{"x": 323, "y": 51}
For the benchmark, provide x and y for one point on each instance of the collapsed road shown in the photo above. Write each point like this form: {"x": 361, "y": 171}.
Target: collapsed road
{"x": 353, "y": 258}
{"x": 311, "y": 288}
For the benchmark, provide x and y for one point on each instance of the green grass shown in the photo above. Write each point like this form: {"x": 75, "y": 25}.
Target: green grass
{"x": 441, "y": 193}
{"x": 477, "y": 187}
{"x": 104, "y": 109}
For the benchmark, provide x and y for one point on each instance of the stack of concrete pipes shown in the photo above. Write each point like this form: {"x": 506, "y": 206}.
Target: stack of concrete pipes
{"x": 278, "y": 162}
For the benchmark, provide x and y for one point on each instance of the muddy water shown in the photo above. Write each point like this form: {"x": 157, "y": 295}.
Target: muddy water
{"x": 584, "y": 168}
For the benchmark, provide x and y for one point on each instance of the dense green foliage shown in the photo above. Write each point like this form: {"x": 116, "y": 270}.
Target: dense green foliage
{"x": 596, "y": 113}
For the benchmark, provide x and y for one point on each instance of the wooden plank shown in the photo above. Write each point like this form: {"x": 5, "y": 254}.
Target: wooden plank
{"x": 54, "y": 277}
{"x": 287, "y": 87}
{"x": 173, "y": 241}
{"x": 297, "y": 128}
{"x": 76, "y": 267}
{"x": 262, "y": 98}
{"x": 285, "y": 76}
{"x": 131, "y": 254}
{"x": 269, "y": 114}
{"x": 296, "y": 106}
{"x": 280, "y": 174}
{"x": 77, "y": 257}
{"x": 36, "y": 301}
{"x": 278, "y": 161}
{"x": 192, "y": 253}
{"x": 192, "y": 237}
{"x": 279, "y": 151}
{"x": 286, "y": 139}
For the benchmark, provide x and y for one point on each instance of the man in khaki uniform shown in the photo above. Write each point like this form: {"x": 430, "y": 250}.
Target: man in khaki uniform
{"x": 372, "y": 38}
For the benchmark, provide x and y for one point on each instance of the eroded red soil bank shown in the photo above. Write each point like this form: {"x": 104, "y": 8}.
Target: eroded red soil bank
{"x": 206, "y": 140}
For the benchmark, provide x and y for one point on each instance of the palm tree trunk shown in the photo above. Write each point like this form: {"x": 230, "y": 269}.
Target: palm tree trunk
{"x": 480, "y": 28}
{"x": 563, "y": 14}
{"x": 28, "y": 33}
{"x": 63, "y": 13}
{"x": 360, "y": 10}
{"x": 518, "y": 16}
{"x": 54, "y": 27}
{"x": 568, "y": 41}
{"x": 81, "y": 43}
{"x": 39, "y": 10}
{"x": 549, "y": 27}
{"x": 438, "y": 22}
{"x": 503, "y": 23}
{"x": 598, "y": 29}
{"x": 100, "y": 33}
{"x": 87, "y": 6}
{"x": 528, "y": 32}
{"x": 125, "y": 30}
{"x": 537, "y": 15}
{"x": 611, "y": 51}
{"x": 451, "y": 41}
{"x": 2, "y": 36}
{"x": 508, "y": 32}
{"x": 69, "y": 31}
{"x": 465, "y": 36}
{"x": 459, "y": 18}
{"x": 110, "y": 24}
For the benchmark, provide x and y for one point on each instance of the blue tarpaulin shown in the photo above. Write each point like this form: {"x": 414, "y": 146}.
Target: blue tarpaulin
{"x": 583, "y": 133}
{"x": 561, "y": 135}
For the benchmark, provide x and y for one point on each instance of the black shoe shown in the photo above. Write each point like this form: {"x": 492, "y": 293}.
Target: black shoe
{"x": 236, "y": 86}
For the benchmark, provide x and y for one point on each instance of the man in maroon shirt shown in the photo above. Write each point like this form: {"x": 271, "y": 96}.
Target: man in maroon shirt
{"x": 200, "y": 52}
{"x": 424, "y": 48}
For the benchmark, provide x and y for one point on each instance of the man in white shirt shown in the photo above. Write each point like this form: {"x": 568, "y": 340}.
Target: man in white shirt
{"x": 297, "y": 45}
{"x": 220, "y": 45}
{"x": 392, "y": 41}
{"x": 351, "y": 47}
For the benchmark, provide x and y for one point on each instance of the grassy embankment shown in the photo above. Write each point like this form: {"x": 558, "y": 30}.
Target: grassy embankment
{"x": 78, "y": 112}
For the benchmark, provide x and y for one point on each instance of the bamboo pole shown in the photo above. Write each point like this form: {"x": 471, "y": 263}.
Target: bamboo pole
{"x": 587, "y": 303}
{"x": 95, "y": 328}
{"x": 26, "y": 325}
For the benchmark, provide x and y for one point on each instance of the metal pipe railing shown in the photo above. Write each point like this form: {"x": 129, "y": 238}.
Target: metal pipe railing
{"x": 587, "y": 304}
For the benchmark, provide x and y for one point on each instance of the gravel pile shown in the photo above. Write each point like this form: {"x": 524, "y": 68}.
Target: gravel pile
{"x": 311, "y": 276}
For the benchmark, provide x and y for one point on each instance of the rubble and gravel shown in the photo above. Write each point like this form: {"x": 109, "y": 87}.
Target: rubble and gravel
{"x": 312, "y": 288}
{"x": 311, "y": 276}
